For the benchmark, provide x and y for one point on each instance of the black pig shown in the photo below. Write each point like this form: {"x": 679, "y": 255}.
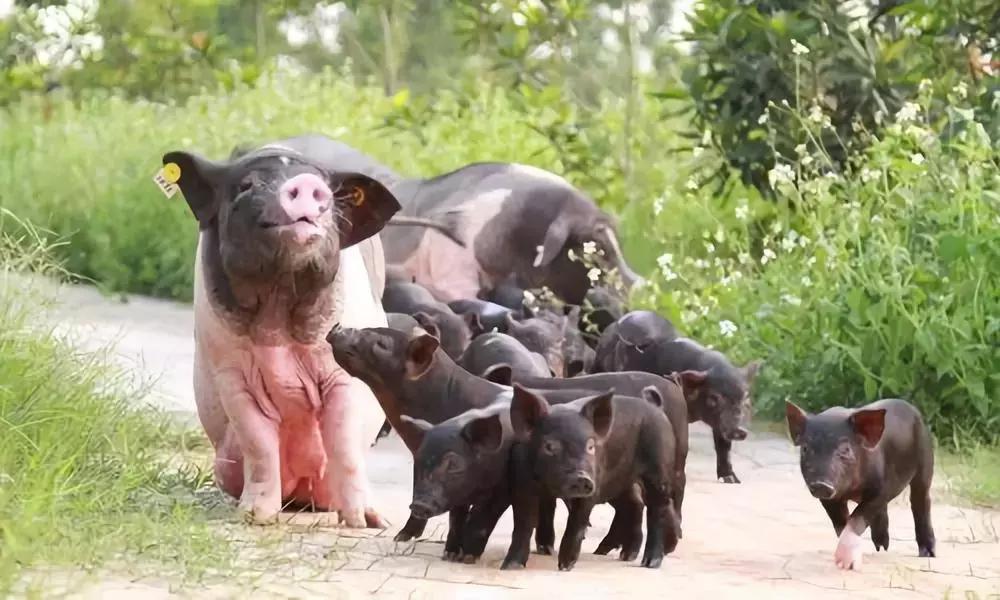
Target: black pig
{"x": 866, "y": 455}
{"x": 452, "y": 330}
{"x": 492, "y": 351}
{"x": 589, "y": 451}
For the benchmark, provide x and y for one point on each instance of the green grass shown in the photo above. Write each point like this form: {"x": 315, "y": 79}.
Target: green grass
{"x": 973, "y": 474}
{"x": 87, "y": 479}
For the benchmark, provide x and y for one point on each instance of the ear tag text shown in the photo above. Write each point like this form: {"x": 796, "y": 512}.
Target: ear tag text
{"x": 166, "y": 179}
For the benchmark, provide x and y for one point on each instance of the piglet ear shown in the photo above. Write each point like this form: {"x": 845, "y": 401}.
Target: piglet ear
{"x": 413, "y": 429}
{"x": 599, "y": 411}
{"x": 573, "y": 317}
{"x": 473, "y": 323}
{"x": 869, "y": 424}
{"x": 420, "y": 354}
{"x": 500, "y": 373}
{"x": 485, "y": 434}
{"x": 750, "y": 371}
{"x": 428, "y": 323}
{"x": 364, "y": 206}
{"x": 796, "y": 418}
{"x": 526, "y": 410}
{"x": 200, "y": 182}
{"x": 574, "y": 367}
{"x": 690, "y": 381}
{"x": 512, "y": 323}
{"x": 653, "y": 396}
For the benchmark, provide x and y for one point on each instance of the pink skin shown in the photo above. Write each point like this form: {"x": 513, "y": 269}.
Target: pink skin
{"x": 304, "y": 199}
{"x": 287, "y": 423}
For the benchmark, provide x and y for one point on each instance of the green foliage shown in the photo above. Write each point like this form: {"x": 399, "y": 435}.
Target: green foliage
{"x": 84, "y": 475}
{"x": 881, "y": 283}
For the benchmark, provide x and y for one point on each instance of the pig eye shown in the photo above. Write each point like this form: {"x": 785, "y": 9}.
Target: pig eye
{"x": 246, "y": 185}
{"x": 453, "y": 464}
{"x": 550, "y": 447}
{"x": 591, "y": 446}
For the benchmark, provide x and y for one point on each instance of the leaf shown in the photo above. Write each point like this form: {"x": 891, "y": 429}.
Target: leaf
{"x": 951, "y": 247}
{"x": 871, "y": 387}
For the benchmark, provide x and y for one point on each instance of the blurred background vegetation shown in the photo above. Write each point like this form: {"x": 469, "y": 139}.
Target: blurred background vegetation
{"x": 811, "y": 183}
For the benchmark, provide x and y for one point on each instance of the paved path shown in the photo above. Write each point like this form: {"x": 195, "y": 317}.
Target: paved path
{"x": 764, "y": 538}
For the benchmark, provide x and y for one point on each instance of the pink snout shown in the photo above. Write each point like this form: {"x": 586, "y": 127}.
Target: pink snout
{"x": 305, "y": 197}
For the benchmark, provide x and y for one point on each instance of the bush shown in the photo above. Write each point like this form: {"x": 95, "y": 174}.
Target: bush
{"x": 881, "y": 283}
{"x": 83, "y": 472}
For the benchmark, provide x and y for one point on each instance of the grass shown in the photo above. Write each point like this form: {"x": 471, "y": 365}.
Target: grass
{"x": 973, "y": 474}
{"x": 85, "y": 477}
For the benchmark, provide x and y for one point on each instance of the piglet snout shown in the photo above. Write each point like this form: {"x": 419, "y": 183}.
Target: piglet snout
{"x": 821, "y": 490}
{"x": 580, "y": 485}
{"x": 305, "y": 197}
{"x": 422, "y": 510}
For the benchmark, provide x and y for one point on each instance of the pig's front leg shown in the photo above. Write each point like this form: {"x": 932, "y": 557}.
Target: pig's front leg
{"x": 345, "y": 409}
{"x": 849, "y": 552}
{"x": 525, "y": 517}
{"x": 545, "y": 534}
{"x": 414, "y": 528}
{"x": 723, "y": 465}
{"x": 253, "y": 436}
{"x": 482, "y": 520}
{"x": 837, "y": 511}
{"x": 576, "y": 529}
{"x": 456, "y": 532}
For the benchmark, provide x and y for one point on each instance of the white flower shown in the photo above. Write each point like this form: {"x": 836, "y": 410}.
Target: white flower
{"x": 710, "y": 247}
{"x": 925, "y": 84}
{"x": 917, "y": 158}
{"x": 762, "y": 119}
{"x": 665, "y": 259}
{"x": 811, "y": 261}
{"x": 542, "y": 51}
{"x": 876, "y": 219}
{"x": 519, "y": 19}
{"x": 869, "y": 175}
{"x": 571, "y": 255}
{"x": 668, "y": 273}
{"x": 590, "y": 247}
{"x": 801, "y": 149}
{"x": 790, "y": 299}
{"x": 495, "y": 7}
{"x": 529, "y": 297}
{"x": 720, "y": 235}
{"x": 742, "y": 212}
{"x": 727, "y": 328}
{"x": 658, "y": 205}
{"x": 804, "y": 241}
{"x": 706, "y": 138}
{"x": 961, "y": 90}
{"x": 816, "y": 114}
{"x": 798, "y": 49}
{"x": 824, "y": 28}
{"x": 879, "y": 117}
{"x": 744, "y": 258}
{"x": 788, "y": 243}
{"x": 909, "y": 112}
{"x": 806, "y": 281}
{"x": 781, "y": 173}
{"x": 594, "y": 274}
{"x": 688, "y": 316}
{"x": 697, "y": 151}
{"x": 701, "y": 263}
{"x": 703, "y": 311}
{"x": 806, "y": 161}
{"x": 767, "y": 256}
{"x": 692, "y": 184}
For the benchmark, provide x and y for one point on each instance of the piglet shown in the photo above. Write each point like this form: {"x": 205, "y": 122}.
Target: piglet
{"x": 437, "y": 318}
{"x": 543, "y": 334}
{"x": 866, "y": 455}
{"x": 589, "y": 451}
{"x": 492, "y": 351}
{"x": 490, "y": 315}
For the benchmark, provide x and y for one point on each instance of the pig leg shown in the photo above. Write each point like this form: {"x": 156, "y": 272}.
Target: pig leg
{"x": 880, "y": 529}
{"x": 920, "y": 505}
{"x": 631, "y": 506}
{"x": 837, "y": 511}
{"x": 613, "y": 539}
{"x": 680, "y": 483}
{"x": 576, "y": 529}
{"x": 482, "y": 520}
{"x": 414, "y": 528}
{"x": 525, "y": 517}
{"x": 723, "y": 465}
{"x": 848, "y": 554}
{"x": 256, "y": 437}
{"x": 661, "y": 521}
{"x": 456, "y": 531}
{"x": 545, "y": 534}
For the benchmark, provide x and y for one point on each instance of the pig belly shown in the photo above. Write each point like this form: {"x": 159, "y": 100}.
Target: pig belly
{"x": 447, "y": 270}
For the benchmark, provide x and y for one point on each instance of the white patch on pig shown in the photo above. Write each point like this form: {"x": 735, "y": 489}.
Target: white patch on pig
{"x": 539, "y": 254}
{"x": 536, "y": 173}
{"x": 284, "y": 160}
{"x": 848, "y": 554}
{"x": 448, "y": 271}
{"x": 279, "y": 147}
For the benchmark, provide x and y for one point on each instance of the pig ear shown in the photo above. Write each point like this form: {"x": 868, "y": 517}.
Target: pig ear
{"x": 598, "y": 410}
{"x": 796, "y": 418}
{"x": 414, "y": 429}
{"x": 869, "y": 424}
{"x": 750, "y": 370}
{"x": 484, "y": 434}
{"x": 500, "y": 373}
{"x": 555, "y": 239}
{"x": 526, "y": 410}
{"x": 427, "y": 322}
{"x": 573, "y": 317}
{"x": 420, "y": 355}
{"x": 653, "y": 396}
{"x": 199, "y": 181}
{"x": 512, "y": 323}
{"x": 690, "y": 380}
{"x": 574, "y": 368}
{"x": 473, "y": 323}
{"x": 364, "y": 205}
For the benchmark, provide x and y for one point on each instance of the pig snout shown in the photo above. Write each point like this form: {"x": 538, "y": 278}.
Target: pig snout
{"x": 305, "y": 197}
{"x": 422, "y": 510}
{"x": 579, "y": 485}
{"x": 821, "y": 490}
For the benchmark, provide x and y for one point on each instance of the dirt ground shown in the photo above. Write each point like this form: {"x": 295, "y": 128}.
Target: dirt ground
{"x": 764, "y": 538}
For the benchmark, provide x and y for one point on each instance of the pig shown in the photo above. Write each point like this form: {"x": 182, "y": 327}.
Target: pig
{"x": 493, "y": 351}
{"x": 506, "y": 293}
{"x": 622, "y": 344}
{"x": 489, "y": 315}
{"x": 866, "y": 455}
{"x": 519, "y": 222}
{"x": 602, "y": 306}
{"x": 578, "y": 356}
{"x": 543, "y": 334}
{"x": 588, "y": 451}
{"x": 453, "y": 330}
{"x": 627, "y": 383}
{"x": 412, "y": 377}
{"x": 287, "y": 247}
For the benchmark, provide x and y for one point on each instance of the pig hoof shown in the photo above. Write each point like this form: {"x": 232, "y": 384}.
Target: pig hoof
{"x": 257, "y": 515}
{"x": 470, "y": 559}
{"x": 354, "y": 519}
{"x": 567, "y": 566}
{"x": 628, "y": 556}
{"x": 731, "y": 478}
{"x": 848, "y": 554}
{"x": 373, "y": 520}
{"x": 403, "y": 536}
{"x": 511, "y": 565}
{"x": 544, "y": 549}
{"x": 453, "y": 556}
{"x": 927, "y": 553}
{"x": 605, "y": 547}
{"x": 652, "y": 563}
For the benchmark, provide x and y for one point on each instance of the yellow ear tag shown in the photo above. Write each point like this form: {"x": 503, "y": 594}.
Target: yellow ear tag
{"x": 357, "y": 196}
{"x": 166, "y": 179}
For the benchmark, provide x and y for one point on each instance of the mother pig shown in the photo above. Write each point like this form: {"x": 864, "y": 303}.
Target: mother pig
{"x": 287, "y": 248}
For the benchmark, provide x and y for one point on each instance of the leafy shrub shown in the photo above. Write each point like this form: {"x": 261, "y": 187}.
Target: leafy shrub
{"x": 881, "y": 283}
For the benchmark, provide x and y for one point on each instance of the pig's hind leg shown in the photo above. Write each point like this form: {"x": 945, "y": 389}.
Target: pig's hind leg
{"x": 482, "y": 520}
{"x": 920, "y": 503}
{"x": 880, "y": 529}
